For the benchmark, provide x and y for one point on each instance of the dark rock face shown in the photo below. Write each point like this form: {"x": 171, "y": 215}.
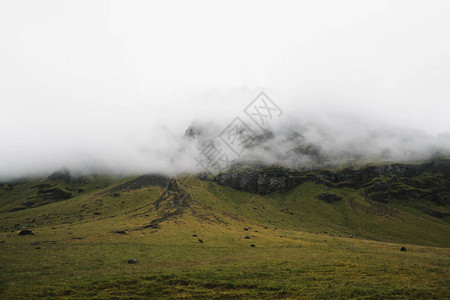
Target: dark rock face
{"x": 403, "y": 249}
{"x": 246, "y": 237}
{"x": 132, "y": 261}
{"x": 329, "y": 197}
{"x": 54, "y": 194}
{"x": 26, "y": 232}
{"x": 437, "y": 214}
{"x": 380, "y": 183}
{"x": 259, "y": 180}
{"x": 200, "y": 241}
{"x": 62, "y": 175}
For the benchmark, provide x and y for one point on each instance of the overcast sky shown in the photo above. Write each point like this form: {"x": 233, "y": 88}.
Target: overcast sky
{"x": 99, "y": 81}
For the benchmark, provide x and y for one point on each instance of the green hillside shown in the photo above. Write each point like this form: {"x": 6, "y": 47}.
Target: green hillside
{"x": 195, "y": 237}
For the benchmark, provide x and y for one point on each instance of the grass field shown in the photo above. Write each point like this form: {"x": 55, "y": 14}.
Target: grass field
{"x": 302, "y": 245}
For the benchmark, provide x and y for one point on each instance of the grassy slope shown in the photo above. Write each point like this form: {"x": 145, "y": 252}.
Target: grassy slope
{"x": 292, "y": 258}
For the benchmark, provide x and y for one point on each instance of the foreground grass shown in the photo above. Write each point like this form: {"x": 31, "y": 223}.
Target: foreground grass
{"x": 75, "y": 253}
{"x": 172, "y": 263}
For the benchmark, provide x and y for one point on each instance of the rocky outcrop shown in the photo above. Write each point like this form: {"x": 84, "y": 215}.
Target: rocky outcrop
{"x": 54, "y": 194}
{"x": 380, "y": 182}
{"x": 329, "y": 197}
{"x": 259, "y": 180}
{"x": 174, "y": 197}
{"x": 60, "y": 175}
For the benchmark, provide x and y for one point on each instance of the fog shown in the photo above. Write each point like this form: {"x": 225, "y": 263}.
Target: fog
{"x": 112, "y": 86}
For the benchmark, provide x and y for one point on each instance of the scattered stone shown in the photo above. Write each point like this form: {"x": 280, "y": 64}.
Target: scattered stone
{"x": 194, "y": 235}
{"x": 77, "y": 238}
{"x": 200, "y": 241}
{"x": 132, "y": 261}
{"x": 120, "y": 232}
{"x": 252, "y": 245}
{"x": 246, "y": 237}
{"x": 246, "y": 229}
{"x": 37, "y": 248}
{"x": 97, "y": 213}
{"x": 26, "y": 232}
{"x": 403, "y": 249}
{"x": 1, "y": 242}
{"x": 116, "y": 194}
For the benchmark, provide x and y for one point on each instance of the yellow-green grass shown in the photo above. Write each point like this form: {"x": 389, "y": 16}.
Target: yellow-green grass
{"x": 292, "y": 257}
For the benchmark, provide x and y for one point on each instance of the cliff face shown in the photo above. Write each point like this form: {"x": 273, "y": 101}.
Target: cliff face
{"x": 262, "y": 180}
{"x": 383, "y": 183}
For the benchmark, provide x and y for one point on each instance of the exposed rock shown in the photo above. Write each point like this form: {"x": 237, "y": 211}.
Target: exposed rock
{"x": 246, "y": 237}
{"x": 259, "y": 140}
{"x": 120, "y": 232}
{"x": 193, "y": 131}
{"x": 26, "y": 232}
{"x": 61, "y": 175}
{"x": 143, "y": 181}
{"x": 200, "y": 241}
{"x": 54, "y": 194}
{"x": 174, "y": 197}
{"x": 252, "y": 245}
{"x": 437, "y": 214}
{"x": 204, "y": 176}
{"x": 329, "y": 197}
{"x": 132, "y": 261}
{"x": 403, "y": 249}
{"x": 259, "y": 180}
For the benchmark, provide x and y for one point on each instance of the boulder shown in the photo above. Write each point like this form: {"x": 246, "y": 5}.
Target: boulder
{"x": 26, "y": 232}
